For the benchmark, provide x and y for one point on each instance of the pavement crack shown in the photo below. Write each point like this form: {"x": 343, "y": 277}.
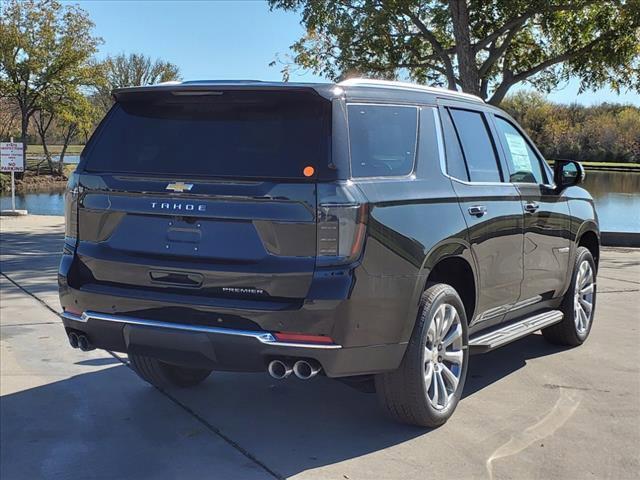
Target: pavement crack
{"x": 619, "y": 279}
{"x": 619, "y": 291}
{"x": 555, "y": 386}
{"x": 29, "y": 324}
{"x": 33, "y": 295}
{"x": 212, "y": 428}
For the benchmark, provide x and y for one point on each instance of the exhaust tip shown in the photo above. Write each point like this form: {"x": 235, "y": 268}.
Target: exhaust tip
{"x": 84, "y": 344}
{"x": 73, "y": 340}
{"x": 279, "y": 369}
{"x": 305, "y": 370}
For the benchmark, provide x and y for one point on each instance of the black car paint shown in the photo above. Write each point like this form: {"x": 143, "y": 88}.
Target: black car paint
{"x": 369, "y": 307}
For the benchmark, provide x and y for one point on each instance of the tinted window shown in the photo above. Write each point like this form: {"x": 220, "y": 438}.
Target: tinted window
{"x": 231, "y": 135}
{"x": 383, "y": 140}
{"x": 524, "y": 164}
{"x": 455, "y": 161}
{"x": 476, "y": 145}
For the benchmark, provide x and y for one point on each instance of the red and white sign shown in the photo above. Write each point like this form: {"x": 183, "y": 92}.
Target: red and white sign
{"x": 11, "y": 157}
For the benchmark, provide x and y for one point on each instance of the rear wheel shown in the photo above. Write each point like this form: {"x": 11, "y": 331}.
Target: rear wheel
{"x": 578, "y": 305}
{"x": 427, "y": 386}
{"x": 163, "y": 374}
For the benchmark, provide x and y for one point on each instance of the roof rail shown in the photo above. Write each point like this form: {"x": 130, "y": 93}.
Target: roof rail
{"x": 367, "y": 82}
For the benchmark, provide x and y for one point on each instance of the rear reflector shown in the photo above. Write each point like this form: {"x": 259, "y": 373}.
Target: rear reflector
{"x": 302, "y": 338}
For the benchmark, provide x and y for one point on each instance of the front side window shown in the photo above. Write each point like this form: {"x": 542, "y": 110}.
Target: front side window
{"x": 523, "y": 162}
{"x": 477, "y": 146}
{"x": 383, "y": 140}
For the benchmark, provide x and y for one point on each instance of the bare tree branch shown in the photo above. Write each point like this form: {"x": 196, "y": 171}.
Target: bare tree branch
{"x": 496, "y": 52}
{"x": 512, "y": 78}
{"x": 437, "y": 47}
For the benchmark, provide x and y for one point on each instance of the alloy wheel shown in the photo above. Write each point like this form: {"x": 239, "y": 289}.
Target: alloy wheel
{"x": 443, "y": 356}
{"x": 583, "y": 297}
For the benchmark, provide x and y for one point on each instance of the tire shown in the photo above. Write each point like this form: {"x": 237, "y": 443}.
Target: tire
{"x": 408, "y": 393}
{"x": 163, "y": 375}
{"x": 574, "y": 329}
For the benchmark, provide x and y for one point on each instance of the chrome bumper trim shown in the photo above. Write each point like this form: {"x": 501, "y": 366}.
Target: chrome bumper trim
{"x": 263, "y": 337}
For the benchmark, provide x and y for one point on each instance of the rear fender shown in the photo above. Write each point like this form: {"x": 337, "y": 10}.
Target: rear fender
{"x": 449, "y": 248}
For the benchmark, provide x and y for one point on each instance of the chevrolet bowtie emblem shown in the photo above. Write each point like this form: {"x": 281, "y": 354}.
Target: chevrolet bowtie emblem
{"x": 179, "y": 186}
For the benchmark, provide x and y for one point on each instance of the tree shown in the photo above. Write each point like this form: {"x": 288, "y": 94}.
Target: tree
{"x": 603, "y": 133}
{"x": 69, "y": 112}
{"x": 483, "y": 47}
{"x": 43, "y": 46}
{"x": 132, "y": 70}
{"x": 9, "y": 115}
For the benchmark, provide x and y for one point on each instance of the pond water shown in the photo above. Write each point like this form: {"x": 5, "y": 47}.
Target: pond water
{"x": 617, "y": 197}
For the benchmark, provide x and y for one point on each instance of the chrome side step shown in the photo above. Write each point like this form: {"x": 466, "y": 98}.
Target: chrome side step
{"x": 507, "y": 334}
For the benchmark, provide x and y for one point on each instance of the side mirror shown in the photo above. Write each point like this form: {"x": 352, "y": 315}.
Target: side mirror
{"x": 567, "y": 173}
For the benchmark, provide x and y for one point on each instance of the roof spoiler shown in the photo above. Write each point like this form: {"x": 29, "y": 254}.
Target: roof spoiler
{"x": 217, "y": 87}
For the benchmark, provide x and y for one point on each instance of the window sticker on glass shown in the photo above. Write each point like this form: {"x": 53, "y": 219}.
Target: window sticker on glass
{"x": 519, "y": 154}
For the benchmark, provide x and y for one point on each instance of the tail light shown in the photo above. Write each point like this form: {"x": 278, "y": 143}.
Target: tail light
{"x": 71, "y": 214}
{"x": 342, "y": 221}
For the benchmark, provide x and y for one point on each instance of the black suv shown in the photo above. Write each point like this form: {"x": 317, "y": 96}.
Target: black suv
{"x": 361, "y": 230}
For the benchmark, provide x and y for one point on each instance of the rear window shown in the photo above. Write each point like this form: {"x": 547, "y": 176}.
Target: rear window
{"x": 228, "y": 134}
{"x": 383, "y": 139}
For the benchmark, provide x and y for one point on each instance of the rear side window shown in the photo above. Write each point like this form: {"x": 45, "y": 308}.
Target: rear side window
{"x": 523, "y": 162}
{"x": 233, "y": 134}
{"x": 477, "y": 146}
{"x": 383, "y": 140}
{"x": 455, "y": 160}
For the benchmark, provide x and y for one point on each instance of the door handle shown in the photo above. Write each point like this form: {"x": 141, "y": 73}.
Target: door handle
{"x": 531, "y": 207}
{"x": 477, "y": 210}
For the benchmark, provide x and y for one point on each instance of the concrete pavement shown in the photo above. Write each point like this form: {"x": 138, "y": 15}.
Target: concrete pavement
{"x": 531, "y": 410}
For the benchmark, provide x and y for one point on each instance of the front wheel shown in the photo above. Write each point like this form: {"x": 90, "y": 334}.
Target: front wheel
{"x": 164, "y": 375}
{"x": 427, "y": 386}
{"x": 578, "y": 305}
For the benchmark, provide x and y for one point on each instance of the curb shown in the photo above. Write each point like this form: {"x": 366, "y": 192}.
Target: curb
{"x": 620, "y": 239}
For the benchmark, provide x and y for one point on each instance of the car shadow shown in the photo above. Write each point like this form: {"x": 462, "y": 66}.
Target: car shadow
{"x": 32, "y": 259}
{"x": 491, "y": 367}
{"x": 290, "y": 426}
{"x": 293, "y": 425}
{"x": 109, "y": 421}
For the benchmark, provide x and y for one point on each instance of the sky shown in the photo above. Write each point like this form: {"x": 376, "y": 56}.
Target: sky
{"x": 219, "y": 39}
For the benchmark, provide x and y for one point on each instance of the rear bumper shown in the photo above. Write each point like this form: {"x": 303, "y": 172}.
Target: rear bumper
{"x": 222, "y": 348}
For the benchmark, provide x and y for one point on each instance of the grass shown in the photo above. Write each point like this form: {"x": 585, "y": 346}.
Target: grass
{"x": 634, "y": 166}
{"x": 54, "y": 149}
{"x": 607, "y": 164}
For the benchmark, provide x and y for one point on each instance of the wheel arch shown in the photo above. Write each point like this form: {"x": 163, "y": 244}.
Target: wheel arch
{"x": 589, "y": 236}
{"x": 457, "y": 272}
{"x": 449, "y": 262}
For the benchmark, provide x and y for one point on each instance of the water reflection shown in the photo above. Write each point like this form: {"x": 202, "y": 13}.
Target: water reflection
{"x": 617, "y": 197}
{"x": 50, "y": 202}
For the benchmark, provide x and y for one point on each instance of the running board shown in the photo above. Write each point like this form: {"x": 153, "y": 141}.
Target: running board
{"x": 507, "y": 334}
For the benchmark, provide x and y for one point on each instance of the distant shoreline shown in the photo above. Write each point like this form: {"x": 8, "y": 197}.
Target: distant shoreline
{"x": 607, "y": 166}
{"x": 48, "y": 182}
